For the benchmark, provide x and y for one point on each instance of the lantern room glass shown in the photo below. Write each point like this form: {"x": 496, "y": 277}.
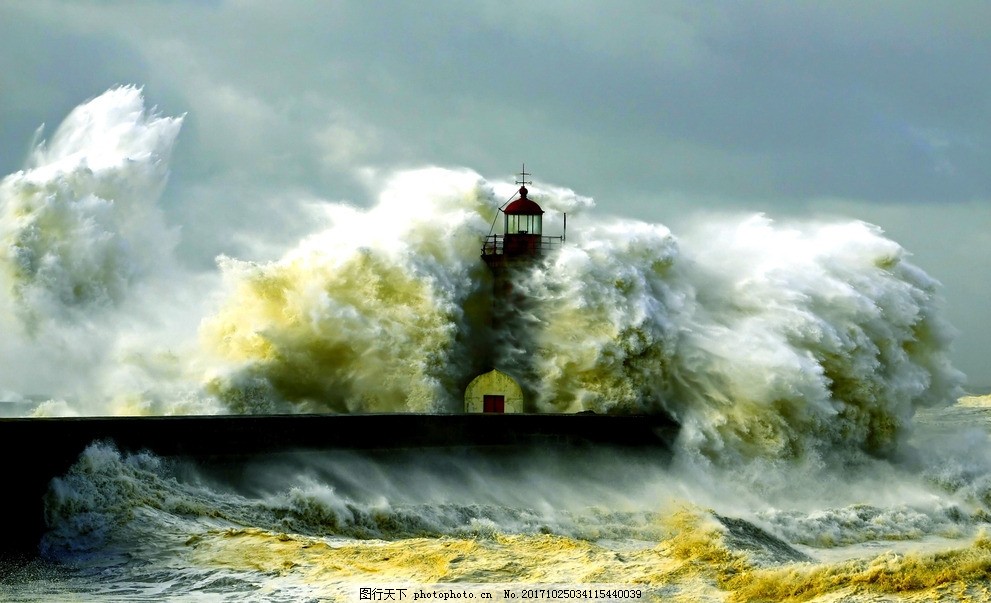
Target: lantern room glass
{"x": 524, "y": 224}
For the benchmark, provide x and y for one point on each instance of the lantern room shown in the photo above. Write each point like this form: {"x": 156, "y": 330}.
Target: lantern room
{"x": 523, "y": 216}
{"x": 523, "y": 237}
{"x": 523, "y": 220}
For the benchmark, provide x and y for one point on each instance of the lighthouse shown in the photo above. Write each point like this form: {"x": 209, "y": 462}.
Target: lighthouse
{"x": 521, "y": 244}
{"x": 522, "y": 239}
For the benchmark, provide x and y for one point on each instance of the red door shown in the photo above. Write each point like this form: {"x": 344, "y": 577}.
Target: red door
{"x": 493, "y": 403}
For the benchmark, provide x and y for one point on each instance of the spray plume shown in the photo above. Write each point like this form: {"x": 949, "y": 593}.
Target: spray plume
{"x": 81, "y": 223}
{"x": 761, "y": 339}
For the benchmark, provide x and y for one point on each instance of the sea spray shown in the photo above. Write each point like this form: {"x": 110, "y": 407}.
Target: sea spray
{"x": 764, "y": 340}
{"x": 599, "y": 319}
{"x": 81, "y": 222}
{"x": 386, "y": 310}
{"x": 813, "y": 338}
{"x": 369, "y": 315}
{"x": 86, "y": 262}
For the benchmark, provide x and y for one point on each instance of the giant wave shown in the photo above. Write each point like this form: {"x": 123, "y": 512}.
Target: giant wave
{"x": 762, "y": 339}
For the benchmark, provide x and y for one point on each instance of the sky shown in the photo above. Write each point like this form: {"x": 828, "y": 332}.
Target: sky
{"x": 661, "y": 111}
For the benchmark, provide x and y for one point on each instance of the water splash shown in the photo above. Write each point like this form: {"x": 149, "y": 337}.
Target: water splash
{"x": 373, "y": 314}
{"x": 86, "y": 270}
{"x": 762, "y": 339}
{"x": 80, "y": 223}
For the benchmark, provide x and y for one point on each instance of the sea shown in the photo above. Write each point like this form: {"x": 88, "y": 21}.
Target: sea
{"x": 827, "y": 448}
{"x": 588, "y": 524}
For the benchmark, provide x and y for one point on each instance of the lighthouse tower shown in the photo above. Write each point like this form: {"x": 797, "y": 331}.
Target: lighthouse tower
{"x": 521, "y": 244}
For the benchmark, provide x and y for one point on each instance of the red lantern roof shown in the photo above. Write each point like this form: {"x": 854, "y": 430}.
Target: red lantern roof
{"x": 523, "y": 206}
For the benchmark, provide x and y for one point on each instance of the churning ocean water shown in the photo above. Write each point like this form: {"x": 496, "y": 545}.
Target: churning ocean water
{"x": 822, "y": 454}
{"x": 321, "y": 526}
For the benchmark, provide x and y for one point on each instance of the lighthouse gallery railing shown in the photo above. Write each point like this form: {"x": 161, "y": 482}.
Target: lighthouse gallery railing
{"x": 495, "y": 244}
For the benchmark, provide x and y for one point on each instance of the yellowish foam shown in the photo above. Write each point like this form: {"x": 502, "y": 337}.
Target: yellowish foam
{"x": 691, "y": 564}
{"x": 953, "y": 575}
{"x": 329, "y": 332}
{"x": 534, "y": 559}
{"x": 977, "y": 401}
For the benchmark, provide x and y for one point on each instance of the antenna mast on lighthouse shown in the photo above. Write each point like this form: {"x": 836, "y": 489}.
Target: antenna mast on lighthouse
{"x": 523, "y": 174}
